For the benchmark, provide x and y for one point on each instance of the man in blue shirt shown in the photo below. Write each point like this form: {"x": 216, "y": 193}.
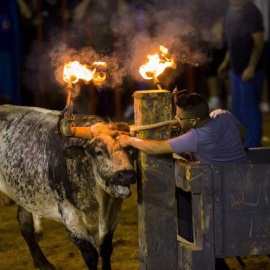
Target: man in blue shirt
{"x": 244, "y": 37}
{"x": 214, "y": 141}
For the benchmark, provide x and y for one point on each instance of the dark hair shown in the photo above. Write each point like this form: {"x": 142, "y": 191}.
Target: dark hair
{"x": 193, "y": 104}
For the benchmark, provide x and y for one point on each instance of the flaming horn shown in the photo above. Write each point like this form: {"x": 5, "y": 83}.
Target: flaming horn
{"x": 156, "y": 65}
{"x": 73, "y": 72}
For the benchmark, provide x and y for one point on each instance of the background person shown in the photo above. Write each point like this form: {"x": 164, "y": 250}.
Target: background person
{"x": 244, "y": 37}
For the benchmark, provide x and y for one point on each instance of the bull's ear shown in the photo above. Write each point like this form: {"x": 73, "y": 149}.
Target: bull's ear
{"x": 74, "y": 152}
{"x": 121, "y": 126}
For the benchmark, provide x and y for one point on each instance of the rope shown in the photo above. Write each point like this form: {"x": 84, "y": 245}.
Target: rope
{"x": 152, "y": 126}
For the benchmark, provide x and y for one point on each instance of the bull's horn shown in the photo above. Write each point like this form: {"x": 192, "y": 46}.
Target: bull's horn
{"x": 68, "y": 129}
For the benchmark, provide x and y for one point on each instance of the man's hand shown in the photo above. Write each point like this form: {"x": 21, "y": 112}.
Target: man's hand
{"x": 215, "y": 113}
{"x": 248, "y": 74}
{"x": 124, "y": 140}
{"x": 223, "y": 70}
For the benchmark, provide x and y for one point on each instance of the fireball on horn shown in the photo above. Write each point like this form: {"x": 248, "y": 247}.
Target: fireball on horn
{"x": 72, "y": 73}
{"x": 156, "y": 65}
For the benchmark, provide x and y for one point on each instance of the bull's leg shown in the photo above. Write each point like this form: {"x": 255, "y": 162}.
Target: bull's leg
{"x": 26, "y": 222}
{"x": 79, "y": 235}
{"x": 88, "y": 251}
{"x": 105, "y": 251}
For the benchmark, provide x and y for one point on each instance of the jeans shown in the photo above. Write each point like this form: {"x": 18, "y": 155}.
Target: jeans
{"x": 245, "y": 103}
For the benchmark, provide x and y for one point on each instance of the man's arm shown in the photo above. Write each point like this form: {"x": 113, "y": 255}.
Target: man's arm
{"x": 152, "y": 147}
{"x": 249, "y": 72}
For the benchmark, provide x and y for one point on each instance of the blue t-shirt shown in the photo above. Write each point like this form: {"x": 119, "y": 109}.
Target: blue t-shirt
{"x": 218, "y": 142}
{"x": 239, "y": 27}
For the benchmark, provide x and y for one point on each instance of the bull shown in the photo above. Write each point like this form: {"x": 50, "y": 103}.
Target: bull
{"x": 79, "y": 181}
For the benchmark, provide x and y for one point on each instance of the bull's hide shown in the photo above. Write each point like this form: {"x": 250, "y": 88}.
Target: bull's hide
{"x": 78, "y": 182}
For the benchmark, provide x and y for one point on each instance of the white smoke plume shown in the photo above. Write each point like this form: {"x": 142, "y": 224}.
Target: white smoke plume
{"x": 136, "y": 29}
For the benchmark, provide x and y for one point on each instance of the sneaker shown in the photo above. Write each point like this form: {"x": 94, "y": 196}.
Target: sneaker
{"x": 265, "y": 108}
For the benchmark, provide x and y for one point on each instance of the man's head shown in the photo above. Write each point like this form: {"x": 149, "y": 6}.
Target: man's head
{"x": 191, "y": 110}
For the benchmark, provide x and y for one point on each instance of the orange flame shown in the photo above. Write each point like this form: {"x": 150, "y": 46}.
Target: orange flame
{"x": 157, "y": 64}
{"x": 74, "y": 71}
{"x": 100, "y": 74}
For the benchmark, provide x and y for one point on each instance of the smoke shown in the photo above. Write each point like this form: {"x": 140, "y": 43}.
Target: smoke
{"x": 186, "y": 29}
{"x": 123, "y": 37}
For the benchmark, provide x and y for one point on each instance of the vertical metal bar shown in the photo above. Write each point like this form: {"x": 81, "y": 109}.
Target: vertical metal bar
{"x": 40, "y": 95}
{"x": 117, "y": 93}
{"x": 64, "y": 21}
{"x": 118, "y": 109}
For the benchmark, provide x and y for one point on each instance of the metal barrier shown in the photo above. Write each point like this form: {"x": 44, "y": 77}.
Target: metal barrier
{"x": 223, "y": 210}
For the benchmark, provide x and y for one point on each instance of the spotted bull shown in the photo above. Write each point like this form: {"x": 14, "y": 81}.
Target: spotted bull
{"x": 78, "y": 182}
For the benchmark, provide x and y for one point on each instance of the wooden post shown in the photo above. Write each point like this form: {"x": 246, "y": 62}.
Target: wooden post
{"x": 156, "y": 186}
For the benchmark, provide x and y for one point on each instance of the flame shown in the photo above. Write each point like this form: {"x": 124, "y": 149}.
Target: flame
{"x": 157, "y": 64}
{"x": 74, "y": 71}
{"x": 103, "y": 64}
{"x": 100, "y": 74}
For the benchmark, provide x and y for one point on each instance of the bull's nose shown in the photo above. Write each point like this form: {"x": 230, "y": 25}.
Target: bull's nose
{"x": 125, "y": 177}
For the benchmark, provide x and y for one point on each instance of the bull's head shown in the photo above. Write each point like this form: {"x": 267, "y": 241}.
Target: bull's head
{"x": 112, "y": 165}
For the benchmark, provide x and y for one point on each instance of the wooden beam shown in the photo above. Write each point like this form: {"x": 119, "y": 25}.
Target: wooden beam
{"x": 156, "y": 186}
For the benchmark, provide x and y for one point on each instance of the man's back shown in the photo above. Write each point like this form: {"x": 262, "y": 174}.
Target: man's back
{"x": 217, "y": 142}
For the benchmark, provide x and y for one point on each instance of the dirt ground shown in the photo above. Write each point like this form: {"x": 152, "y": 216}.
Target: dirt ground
{"x": 58, "y": 248}
{"x": 56, "y": 245}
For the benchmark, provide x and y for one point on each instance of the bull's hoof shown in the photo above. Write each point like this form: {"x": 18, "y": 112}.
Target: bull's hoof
{"x": 38, "y": 236}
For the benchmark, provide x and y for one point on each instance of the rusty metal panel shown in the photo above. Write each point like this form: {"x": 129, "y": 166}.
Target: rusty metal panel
{"x": 246, "y": 187}
{"x": 246, "y": 233}
{"x": 217, "y": 204}
{"x": 197, "y": 220}
{"x": 188, "y": 177}
{"x": 246, "y": 206}
{"x": 189, "y": 257}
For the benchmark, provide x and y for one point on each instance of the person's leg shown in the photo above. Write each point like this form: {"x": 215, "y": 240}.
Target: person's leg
{"x": 213, "y": 87}
{"x": 237, "y": 96}
{"x": 252, "y": 118}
